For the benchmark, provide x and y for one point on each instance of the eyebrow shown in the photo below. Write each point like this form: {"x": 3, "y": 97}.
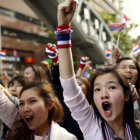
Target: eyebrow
{"x": 126, "y": 65}
{"x": 28, "y": 99}
{"x": 106, "y": 82}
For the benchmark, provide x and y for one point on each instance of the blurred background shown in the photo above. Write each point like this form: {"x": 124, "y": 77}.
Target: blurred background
{"x": 27, "y": 25}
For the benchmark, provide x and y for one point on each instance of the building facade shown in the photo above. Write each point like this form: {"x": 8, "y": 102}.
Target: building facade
{"x": 22, "y": 35}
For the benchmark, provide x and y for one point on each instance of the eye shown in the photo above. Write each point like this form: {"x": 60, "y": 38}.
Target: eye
{"x": 32, "y": 101}
{"x": 11, "y": 85}
{"x": 21, "y": 104}
{"x": 112, "y": 87}
{"x": 19, "y": 85}
{"x": 79, "y": 84}
{"x": 132, "y": 67}
{"x": 97, "y": 89}
{"x": 122, "y": 67}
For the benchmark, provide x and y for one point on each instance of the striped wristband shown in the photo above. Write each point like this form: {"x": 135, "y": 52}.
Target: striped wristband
{"x": 63, "y": 36}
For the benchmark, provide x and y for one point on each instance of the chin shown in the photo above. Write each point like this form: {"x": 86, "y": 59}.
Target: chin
{"x": 109, "y": 119}
{"x": 31, "y": 128}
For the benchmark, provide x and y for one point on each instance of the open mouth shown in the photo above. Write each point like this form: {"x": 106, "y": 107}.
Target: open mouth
{"x": 106, "y": 106}
{"x": 129, "y": 78}
{"x": 29, "y": 118}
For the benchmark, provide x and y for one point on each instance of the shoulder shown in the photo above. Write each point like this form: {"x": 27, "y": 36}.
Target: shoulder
{"x": 60, "y": 132}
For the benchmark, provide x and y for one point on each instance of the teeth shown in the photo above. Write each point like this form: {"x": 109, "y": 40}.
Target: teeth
{"x": 27, "y": 117}
{"x": 129, "y": 77}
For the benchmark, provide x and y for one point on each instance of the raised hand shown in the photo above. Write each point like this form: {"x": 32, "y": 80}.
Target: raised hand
{"x": 116, "y": 55}
{"x": 135, "y": 95}
{"x": 66, "y": 12}
{"x": 52, "y": 52}
{"x": 83, "y": 61}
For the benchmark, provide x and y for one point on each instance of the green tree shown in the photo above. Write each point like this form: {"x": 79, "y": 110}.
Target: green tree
{"x": 51, "y": 36}
{"x": 126, "y": 41}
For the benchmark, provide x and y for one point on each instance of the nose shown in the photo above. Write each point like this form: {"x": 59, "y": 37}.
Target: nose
{"x": 104, "y": 94}
{"x": 13, "y": 88}
{"x": 25, "y": 109}
{"x": 127, "y": 69}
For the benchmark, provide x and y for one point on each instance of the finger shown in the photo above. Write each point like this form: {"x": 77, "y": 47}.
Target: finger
{"x": 53, "y": 46}
{"x": 68, "y": 9}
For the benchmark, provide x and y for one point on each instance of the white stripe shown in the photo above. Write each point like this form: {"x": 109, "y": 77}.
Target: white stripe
{"x": 63, "y": 42}
{"x": 3, "y": 53}
{"x": 3, "y": 58}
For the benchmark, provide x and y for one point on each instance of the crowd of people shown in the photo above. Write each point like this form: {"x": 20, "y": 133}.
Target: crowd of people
{"x": 56, "y": 103}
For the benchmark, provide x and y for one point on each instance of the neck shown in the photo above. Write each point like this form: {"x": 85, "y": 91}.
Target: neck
{"x": 43, "y": 129}
{"x": 118, "y": 128}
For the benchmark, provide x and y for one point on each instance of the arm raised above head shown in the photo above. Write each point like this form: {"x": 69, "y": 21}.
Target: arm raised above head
{"x": 8, "y": 112}
{"x": 65, "y": 14}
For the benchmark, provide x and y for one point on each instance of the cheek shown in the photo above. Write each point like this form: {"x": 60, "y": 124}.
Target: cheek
{"x": 20, "y": 112}
{"x": 9, "y": 89}
{"x": 83, "y": 89}
{"x": 32, "y": 76}
{"x": 96, "y": 99}
{"x": 135, "y": 75}
{"x": 118, "y": 99}
{"x": 18, "y": 90}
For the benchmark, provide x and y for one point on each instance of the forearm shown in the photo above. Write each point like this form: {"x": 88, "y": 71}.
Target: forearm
{"x": 64, "y": 17}
{"x": 65, "y": 63}
{"x": 6, "y": 91}
{"x": 79, "y": 71}
{"x": 8, "y": 112}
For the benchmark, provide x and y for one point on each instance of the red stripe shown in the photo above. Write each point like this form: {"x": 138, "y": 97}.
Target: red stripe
{"x": 64, "y": 46}
{"x": 49, "y": 48}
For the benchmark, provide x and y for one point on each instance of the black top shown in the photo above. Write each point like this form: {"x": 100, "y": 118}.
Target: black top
{"x": 68, "y": 122}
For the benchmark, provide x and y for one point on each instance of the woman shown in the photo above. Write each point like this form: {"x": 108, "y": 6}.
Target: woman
{"x": 110, "y": 91}
{"x": 14, "y": 87}
{"x": 68, "y": 122}
{"x": 131, "y": 71}
{"x": 40, "y": 111}
{"x": 85, "y": 87}
{"x": 16, "y": 84}
{"x": 34, "y": 73}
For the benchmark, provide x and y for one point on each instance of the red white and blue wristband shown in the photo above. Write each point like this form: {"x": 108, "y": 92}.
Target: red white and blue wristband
{"x": 63, "y": 36}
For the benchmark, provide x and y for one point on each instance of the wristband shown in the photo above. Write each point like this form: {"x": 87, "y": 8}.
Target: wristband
{"x": 63, "y": 36}
{"x": 52, "y": 53}
{"x": 83, "y": 62}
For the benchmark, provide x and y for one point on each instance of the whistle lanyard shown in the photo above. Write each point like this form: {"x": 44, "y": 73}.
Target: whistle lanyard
{"x": 110, "y": 136}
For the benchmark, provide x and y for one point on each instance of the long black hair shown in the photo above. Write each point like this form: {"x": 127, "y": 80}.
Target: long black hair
{"x": 128, "y": 106}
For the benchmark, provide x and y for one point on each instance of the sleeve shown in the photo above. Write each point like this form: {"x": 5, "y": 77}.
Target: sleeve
{"x": 56, "y": 82}
{"x": 8, "y": 112}
{"x": 74, "y": 98}
{"x": 14, "y": 100}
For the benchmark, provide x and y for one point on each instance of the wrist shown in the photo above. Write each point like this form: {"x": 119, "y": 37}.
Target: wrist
{"x": 82, "y": 66}
{"x": 63, "y": 36}
{"x": 55, "y": 60}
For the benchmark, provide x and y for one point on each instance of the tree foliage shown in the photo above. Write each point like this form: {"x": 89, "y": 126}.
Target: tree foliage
{"x": 126, "y": 41}
{"x": 51, "y": 36}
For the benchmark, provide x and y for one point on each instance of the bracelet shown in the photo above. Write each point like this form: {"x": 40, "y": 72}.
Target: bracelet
{"x": 54, "y": 60}
{"x": 63, "y": 36}
{"x": 82, "y": 66}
